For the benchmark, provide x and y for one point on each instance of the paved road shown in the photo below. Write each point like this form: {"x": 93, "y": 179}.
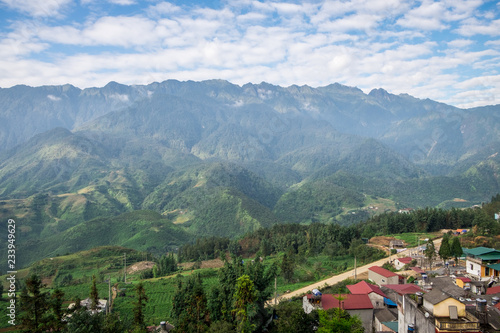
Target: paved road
{"x": 349, "y": 274}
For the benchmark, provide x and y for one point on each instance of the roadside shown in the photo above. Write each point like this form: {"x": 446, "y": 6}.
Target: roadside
{"x": 349, "y": 274}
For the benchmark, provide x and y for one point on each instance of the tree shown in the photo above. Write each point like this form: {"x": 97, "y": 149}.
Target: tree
{"x": 456, "y": 249}
{"x": 430, "y": 252}
{"x": 94, "y": 295}
{"x": 190, "y": 306}
{"x": 290, "y": 317}
{"x": 82, "y": 321}
{"x": 288, "y": 266}
{"x": 444, "y": 249}
{"x": 244, "y": 297}
{"x": 56, "y": 302}
{"x": 338, "y": 320}
{"x": 139, "y": 305}
{"x": 34, "y": 306}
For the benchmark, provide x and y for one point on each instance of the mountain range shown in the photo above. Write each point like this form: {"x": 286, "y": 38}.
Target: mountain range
{"x": 189, "y": 159}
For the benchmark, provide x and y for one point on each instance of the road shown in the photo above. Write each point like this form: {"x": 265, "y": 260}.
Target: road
{"x": 349, "y": 274}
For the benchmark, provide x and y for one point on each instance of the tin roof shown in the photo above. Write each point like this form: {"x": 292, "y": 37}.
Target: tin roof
{"x": 403, "y": 289}
{"x": 493, "y": 290}
{"x": 365, "y": 288}
{"x": 382, "y": 271}
{"x": 350, "y": 302}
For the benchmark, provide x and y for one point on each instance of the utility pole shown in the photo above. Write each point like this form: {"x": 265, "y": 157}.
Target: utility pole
{"x": 125, "y": 268}
{"x": 108, "y": 310}
{"x": 275, "y": 290}
{"x": 355, "y": 275}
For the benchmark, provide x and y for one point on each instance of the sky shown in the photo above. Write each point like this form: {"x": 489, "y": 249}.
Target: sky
{"x": 448, "y": 51}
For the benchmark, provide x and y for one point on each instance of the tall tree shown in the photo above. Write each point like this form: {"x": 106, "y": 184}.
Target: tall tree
{"x": 244, "y": 297}
{"x": 139, "y": 304}
{"x": 94, "y": 295}
{"x": 444, "y": 249}
{"x": 56, "y": 302}
{"x": 34, "y": 306}
{"x": 456, "y": 249}
{"x": 288, "y": 266}
{"x": 430, "y": 252}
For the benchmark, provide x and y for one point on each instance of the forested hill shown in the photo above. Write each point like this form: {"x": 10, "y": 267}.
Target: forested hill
{"x": 217, "y": 159}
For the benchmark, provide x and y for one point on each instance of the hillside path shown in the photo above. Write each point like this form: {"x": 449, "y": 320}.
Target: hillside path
{"x": 349, "y": 274}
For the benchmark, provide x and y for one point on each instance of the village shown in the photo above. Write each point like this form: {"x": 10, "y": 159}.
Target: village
{"x": 445, "y": 296}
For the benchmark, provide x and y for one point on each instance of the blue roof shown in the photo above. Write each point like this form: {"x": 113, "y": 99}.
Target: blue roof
{"x": 389, "y": 302}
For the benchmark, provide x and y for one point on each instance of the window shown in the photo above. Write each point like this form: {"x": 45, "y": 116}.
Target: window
{"x": 486, "y": 271}
{"x": 471, "y": 267}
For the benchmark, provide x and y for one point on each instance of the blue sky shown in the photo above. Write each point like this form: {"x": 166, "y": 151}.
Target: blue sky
{"x": 448, "y": 51}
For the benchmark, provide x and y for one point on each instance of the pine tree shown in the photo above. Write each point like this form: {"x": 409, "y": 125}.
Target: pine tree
{"x": 34, "y": 304}
{"x": 456, "y": 249}
{"x": 444, "y": 249}
{"x": 430, "y": 252}
{"x": 94, "y": 295}
{"x": 139, "y": 304}
{"x": 244, "y": 296}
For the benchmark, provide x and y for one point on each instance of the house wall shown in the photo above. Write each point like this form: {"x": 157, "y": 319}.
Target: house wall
{"x": 381, "y": 280}
{"x": 472, "y": 268}
{"x": 377, "y": 300}
{"x": 398, "y": 264}
{"x": 366, "y": 316}
{"x": 442, "y": 309}
{"x": 410, "y": 314}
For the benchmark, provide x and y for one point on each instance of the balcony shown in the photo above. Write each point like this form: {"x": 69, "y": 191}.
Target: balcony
{"x": 467, "y": 323}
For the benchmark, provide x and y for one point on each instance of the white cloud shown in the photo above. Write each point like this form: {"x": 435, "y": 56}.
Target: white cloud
{"x": 473, "y": 27}
{"x": 364, "y": 43}
{"x": 122, "y": 2}
{"x": 460, "y": 43}
{"x": 37, "y": 8}
{"x": 53, "y": 98}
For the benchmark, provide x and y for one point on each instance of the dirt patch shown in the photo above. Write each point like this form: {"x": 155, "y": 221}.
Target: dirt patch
{"x": 381, "y": 240}
{"x": 140, "y": 266}
{"x": 215, "y": 263}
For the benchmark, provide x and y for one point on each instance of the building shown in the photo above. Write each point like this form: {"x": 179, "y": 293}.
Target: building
{"x": 483, "y": 262}
{"x": 102, "y": 305}
{"x": 449, "y": 313}
{"x": 385, "y": 320}
{"x": 399, "y": 263}
{"x": 463, "y": 282}
{"x": 355, "y": 305}
{"x": 383, "y": 276}
{"x": 396, "y": 244}
{"x": 435, "y": 312}
{"x": 374, "y": 293}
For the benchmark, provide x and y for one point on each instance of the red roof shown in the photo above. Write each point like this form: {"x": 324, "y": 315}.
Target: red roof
{"x": 464, "y": 279}
{"x": 405, "y": 260}
{"x": 403, "y": 289}
{"x": 497, "y": 306}
{"x": 364, "y": 288}
{"x": 418, "y": 270}
{"x": 382, "y": 271}
{"x": 493, "y": 290}
{"x": 350, "y": 302}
